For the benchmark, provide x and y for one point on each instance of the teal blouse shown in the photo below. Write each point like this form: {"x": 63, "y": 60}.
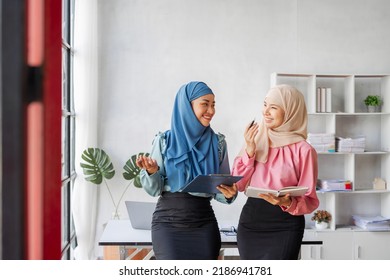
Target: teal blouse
{"x": 157, "y": 183}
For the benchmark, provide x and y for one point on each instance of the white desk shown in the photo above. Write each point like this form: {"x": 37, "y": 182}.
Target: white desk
{"x": 120, "y": 232}
{"x": 121, "y": 241}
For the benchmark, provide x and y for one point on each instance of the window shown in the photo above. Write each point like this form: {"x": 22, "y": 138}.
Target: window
{"x": 68, "y": 132}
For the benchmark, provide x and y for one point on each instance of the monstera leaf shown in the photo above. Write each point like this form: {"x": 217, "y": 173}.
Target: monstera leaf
{"x": 132, "y": 170}
{"x": 97, "y": 165}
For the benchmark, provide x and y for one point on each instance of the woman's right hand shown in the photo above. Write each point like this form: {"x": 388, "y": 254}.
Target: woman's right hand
{"x": 249, "y": 135}
{"x": 147, "y": 163}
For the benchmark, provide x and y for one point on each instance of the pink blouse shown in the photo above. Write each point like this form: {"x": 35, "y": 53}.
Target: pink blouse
{"x": 292, "y": 165}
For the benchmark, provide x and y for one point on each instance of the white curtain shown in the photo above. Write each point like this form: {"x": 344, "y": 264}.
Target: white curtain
{"x": 85, "y": 195}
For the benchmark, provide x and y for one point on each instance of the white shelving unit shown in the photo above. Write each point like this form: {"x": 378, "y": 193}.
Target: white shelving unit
{"x": 349, "y": 118}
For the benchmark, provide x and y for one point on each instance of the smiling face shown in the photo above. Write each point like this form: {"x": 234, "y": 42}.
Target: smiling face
{"x": 273, "y": 115}
{"x": 204, "y": 108}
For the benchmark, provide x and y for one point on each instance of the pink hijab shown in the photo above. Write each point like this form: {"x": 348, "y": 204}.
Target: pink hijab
{"x": 294, "y": 127}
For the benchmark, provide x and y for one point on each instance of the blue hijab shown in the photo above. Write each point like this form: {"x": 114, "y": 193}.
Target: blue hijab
{"x": 192, "y": 149}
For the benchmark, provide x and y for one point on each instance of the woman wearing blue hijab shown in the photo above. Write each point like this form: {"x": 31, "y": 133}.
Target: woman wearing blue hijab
{"x": 184, "y": 225}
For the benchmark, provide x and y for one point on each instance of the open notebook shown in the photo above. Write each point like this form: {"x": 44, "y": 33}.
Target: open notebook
{"x": 293, "y": 191}
{"x": 140, "y": 213}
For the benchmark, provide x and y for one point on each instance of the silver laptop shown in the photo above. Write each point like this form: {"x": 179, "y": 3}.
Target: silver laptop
{"x": 140, "y": 213}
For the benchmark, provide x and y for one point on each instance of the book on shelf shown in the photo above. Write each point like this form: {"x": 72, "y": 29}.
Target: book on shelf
{"x": 328, "y": 100}
{"x": 351, "y": 145}
{"x": 292, "y": 191}
{"x": 324, "y": 100}
{"x": 324, "y": 148}
{"x": 334, "y": 185}
{"x": 374, "y": 223}
{"x": 318, "y": 103}
{"x": 322, "y": 142}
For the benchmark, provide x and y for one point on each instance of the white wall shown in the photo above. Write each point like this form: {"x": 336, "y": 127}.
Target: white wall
{"x": 147, "y": 49}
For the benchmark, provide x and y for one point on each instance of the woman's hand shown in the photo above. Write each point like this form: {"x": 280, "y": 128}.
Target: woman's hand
{"x": 147, "y": 163}
{"x": 250, "y": 133}
{"x": 228, "y": 191}
{"x": 277, "y": 200}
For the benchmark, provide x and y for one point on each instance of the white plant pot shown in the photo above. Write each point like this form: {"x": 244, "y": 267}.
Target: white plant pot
{"x": 321, "y": 226}
{"x": 373, "y": 109}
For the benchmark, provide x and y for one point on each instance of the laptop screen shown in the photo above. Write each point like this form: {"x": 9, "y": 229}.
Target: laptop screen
{"x": 140, "y": 213}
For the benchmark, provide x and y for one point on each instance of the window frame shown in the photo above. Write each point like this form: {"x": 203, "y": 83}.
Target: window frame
{"x": 68, "y": 174}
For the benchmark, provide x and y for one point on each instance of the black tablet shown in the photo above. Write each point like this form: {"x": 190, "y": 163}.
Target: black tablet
{"x": 209, "y": 183}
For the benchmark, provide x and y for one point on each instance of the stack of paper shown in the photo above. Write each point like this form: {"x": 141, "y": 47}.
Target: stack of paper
{"x": 322, "y": 142}
{"x": 374, "y": 223}
{"x": 334, "y": 185}
{"x": 350, "y": 145}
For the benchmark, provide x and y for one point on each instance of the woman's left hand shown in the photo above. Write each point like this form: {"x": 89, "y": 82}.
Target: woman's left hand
{"x": 277, "y": 200}
{"x": 228, "y": 191}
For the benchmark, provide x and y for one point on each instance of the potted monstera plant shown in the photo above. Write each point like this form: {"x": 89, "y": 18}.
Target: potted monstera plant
{"x": 98, "y": 168}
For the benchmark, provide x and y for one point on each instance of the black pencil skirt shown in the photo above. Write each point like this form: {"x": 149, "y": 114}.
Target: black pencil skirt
{"x": 184, "y": 227}
{"x": 265, "y": 232}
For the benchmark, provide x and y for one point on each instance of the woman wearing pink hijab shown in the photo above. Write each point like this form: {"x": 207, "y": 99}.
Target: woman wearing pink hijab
{"x": 276, "y": 155}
